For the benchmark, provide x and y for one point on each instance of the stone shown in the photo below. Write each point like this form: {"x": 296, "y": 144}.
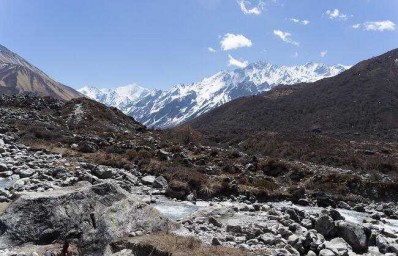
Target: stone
{"x": 98, "y": 213}
{"x": 343, "y": 205}
{"x": 311, "y": 253}
{"x": 326, "y": 252}
{"x": 234, "y": 229}
{"x": 3, "y": 167}
{"x": 215, "y": 241}
{"x": 268, "y": 239}
{"x": 382, "y": 243}
{"x": 87, "y": 147}
{"x": 160, "y": 182}
{"x": 335, "y": 215}
{"x": 215, "y": 222}
{"x": 103, "y": 172}
{"x": 307, "y": 223}
{"x": 339, "y": 246}
{"x": 148, "y": 180}
{"x": 325, "y": 225}
{"x": 26, "y": 173}
{"x": 359, "y": 208}
{"x": 353, "y": 234}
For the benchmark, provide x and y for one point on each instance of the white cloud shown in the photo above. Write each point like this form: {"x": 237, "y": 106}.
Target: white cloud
{"x": 385, "y": 25}
{"x": 302, "y": 22}
{"x": 336, "y": 14}
{"x": 231, "y": 41}
{"x": 244, "y": 6}
{"x": 286, "y": 37}
{"x": 211, "y": 49}
{"x": 234, "y": 62}
{"x": 356, "y": 26}
{"x": 323, "y": 53}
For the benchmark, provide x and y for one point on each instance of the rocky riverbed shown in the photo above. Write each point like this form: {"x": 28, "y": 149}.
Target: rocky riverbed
{"x": 48, "y": 197}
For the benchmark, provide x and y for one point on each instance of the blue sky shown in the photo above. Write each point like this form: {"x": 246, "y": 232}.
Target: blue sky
{"x": 159, "y": 43}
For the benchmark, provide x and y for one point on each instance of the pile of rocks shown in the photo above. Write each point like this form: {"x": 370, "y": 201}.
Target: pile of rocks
{"x": 290, "y": 231}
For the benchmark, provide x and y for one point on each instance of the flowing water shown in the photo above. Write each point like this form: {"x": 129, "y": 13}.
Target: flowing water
{"x": 180, "y": 210}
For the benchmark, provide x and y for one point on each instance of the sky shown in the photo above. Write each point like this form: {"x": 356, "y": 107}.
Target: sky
{"x": 161, "y": 43}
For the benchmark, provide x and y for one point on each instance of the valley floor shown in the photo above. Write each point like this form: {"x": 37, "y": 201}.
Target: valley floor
{"x": 237, "y": 222}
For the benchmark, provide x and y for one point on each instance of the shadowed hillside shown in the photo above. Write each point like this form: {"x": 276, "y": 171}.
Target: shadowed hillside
{"x": 361, "y": 101}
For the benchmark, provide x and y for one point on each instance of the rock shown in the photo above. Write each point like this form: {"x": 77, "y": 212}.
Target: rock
{"x": 325, "y": 201}
{"x": 26, "y": 173}
{"x": 382, "y": 243}
{"x": 215, "y": 241}
{"x": 303, "y": 202}
{"x": 343, "y": 205}
{"x": 3, "y": 167}
{"x": 6, "y": 174}
{"x": 311, "y": 253}
{"x": 335, "y": 215}
{"x": 354, "y": 235}
{"x": 148, "y": 180}
{"x": 326, "y": 252}
{"x": 87, "y": 147}
{"x": 98, "y": 214}
{"x": 160, "y": 182}
{"x": 191, "y": 197}
{"x": 393, "y": 248}
{"x": 338, "y": 246}
{"x": 234, "y": 229}
{"x": 359, "y": 208}
{"x": 103, "y": 172}
{"x": 325, "y": 225}
{"x": 268, "y": 239}
{"x": 215, "y": 222}
{"x": 307, "y": 223}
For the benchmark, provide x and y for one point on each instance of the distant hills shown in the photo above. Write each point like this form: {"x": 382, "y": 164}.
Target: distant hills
{"x": 360, "y": 101}
{"x": 17, "y": 76}
{"x": 182, "y": 103}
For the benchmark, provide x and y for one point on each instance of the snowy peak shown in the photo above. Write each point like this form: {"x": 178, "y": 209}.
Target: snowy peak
{"x": 182, "y": 103}
{"x": 119, "y": 97}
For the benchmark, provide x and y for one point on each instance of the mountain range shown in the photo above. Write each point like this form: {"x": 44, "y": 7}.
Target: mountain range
{"x": 182, "y": 103}
{"x": 18, "y": 76}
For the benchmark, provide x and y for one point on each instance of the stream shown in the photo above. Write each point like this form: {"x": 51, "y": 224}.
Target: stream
{"x": 181, "y": 210}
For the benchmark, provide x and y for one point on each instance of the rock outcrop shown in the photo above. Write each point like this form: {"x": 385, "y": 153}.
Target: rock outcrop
{"x": 94, "y": 215}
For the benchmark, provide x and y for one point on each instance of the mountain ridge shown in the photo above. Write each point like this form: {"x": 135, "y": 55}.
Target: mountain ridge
{"x": 164, "y": 109}
{"x": 360, "y": 100}
{"x": 18, "y": 76}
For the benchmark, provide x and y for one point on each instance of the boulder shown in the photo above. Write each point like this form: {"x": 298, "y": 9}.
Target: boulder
{"x": 343, "y": 205}
{"x": 103, "y": 172}
{"x": 148, "y": 180}
{"x": 382, "y": 243}
{"x": 94, "y": 215}
{"x": 326, "y": 252}
{"x": 268, "y": 239}
{"x": 338, "y": 246}
{"x": 160, "y": 182}
{"x": 324, "y": 224}
{"x": 3, "y": 167}
{"x": 215, "y": 222}
{"x": 354, "y": 235}
{"x": 87, "y": 147}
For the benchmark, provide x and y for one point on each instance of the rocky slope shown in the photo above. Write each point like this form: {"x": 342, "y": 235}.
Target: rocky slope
{"x": 17, "y": 76}
{"x": 182, "y": 103}
{"x": 360, "y": 101}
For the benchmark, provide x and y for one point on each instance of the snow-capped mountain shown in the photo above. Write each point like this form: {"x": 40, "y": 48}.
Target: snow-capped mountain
{"x": 119, "y": 97}
{"x": 163, "y": 109}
